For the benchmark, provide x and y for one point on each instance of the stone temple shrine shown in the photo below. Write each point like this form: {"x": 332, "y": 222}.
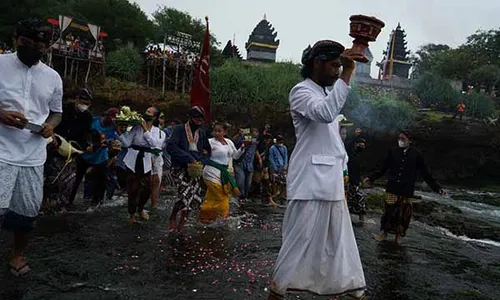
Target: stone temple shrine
{"x": 262, "y": 43}
{"x": 396, "y": 62}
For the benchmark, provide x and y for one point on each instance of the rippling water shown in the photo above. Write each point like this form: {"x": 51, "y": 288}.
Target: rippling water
{"x": 97, "y": 255}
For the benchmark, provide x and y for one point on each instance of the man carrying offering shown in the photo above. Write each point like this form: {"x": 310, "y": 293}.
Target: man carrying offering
{"x": 319, "y": 254}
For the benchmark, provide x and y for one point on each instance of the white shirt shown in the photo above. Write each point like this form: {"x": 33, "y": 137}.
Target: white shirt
{"x": 221, "y": 154}
{"x": 315, "y": 171}
{"x": 34, "y": 92}
{"x": 137, "y": 137}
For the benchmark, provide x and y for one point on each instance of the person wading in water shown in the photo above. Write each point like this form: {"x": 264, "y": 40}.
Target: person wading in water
{"x": 30, "y": 95}
{"x": 402, "y": 165}
{"x": 319, "y": 254}
{"x": 187, "y": 146}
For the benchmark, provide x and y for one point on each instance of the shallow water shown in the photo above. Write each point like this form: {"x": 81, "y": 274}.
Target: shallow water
{"x": 97, "y": 255}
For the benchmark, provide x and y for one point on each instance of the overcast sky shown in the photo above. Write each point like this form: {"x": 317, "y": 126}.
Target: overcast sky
{"x": 300, "y": 23}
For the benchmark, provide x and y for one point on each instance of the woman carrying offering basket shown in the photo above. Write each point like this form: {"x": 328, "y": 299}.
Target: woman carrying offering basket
{"x": 187, "y": 147}
{"x": 142, "y": 142}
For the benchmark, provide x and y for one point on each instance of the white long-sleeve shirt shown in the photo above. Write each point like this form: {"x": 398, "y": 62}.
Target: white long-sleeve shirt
{"x": 315, "y": 171}
{"x": 154, "y": 138}
{"x": 221, "y": 154}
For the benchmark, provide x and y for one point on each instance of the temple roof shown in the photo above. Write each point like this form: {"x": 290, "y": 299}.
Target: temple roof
{"x": 231, "y": 51}
{"x": 263, "y": 35}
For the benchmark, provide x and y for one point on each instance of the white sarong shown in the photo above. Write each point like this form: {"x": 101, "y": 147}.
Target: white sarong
{"x": 319, "y": 253}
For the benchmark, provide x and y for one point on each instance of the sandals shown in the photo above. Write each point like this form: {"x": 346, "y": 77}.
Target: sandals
{"x": 21, "y": 271}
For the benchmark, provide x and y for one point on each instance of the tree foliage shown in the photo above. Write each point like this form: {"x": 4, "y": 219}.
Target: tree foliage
{"x": 168, "y": 20}
{"x": 480, "y": 106}
{"x": 435, "y": 91}
{"x": 476, "y": 62}
{"x": 121, "y": 19}
{"x": 125, "y": 63}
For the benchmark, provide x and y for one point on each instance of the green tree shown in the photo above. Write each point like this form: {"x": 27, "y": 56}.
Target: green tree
{"x": 486, "y": 76}
{"x": 169, "y": 20}
{"x": 424, "y": 60}
{"x": 435, "y": 91}
{"x": 121, "y": 19}
{"x": 125, "y": 63}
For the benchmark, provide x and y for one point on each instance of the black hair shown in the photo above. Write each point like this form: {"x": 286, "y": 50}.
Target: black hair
{"x": 306, "y": 70}
{"x": 34, "y": 29}
{"x": 224, "y": 125}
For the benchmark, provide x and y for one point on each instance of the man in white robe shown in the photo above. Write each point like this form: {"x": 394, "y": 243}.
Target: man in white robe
{"x": 319, "y": 253}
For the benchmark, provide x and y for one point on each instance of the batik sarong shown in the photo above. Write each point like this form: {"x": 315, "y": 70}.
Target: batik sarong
{"x": 397, "y": 215}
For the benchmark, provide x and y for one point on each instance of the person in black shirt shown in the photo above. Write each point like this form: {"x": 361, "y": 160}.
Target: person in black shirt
{"x": 76, "y": 118}
{"x": 402, "y": 165}
{"x": 355, "y": 198}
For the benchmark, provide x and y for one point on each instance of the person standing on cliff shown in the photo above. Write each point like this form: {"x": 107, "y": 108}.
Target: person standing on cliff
{"x": 402, "y": 165}
{"x": 319, "y": 254}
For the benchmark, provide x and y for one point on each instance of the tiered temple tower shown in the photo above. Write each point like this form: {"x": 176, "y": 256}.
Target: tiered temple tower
{"x": 262, "y": 43}
{"x": 231, "y": 51}
{"x": 396, "y": 62}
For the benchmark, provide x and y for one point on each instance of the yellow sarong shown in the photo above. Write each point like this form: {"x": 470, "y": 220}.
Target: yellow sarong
{"x": 216, "y": 203}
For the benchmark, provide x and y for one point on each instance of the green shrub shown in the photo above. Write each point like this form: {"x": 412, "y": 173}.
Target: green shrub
{"x": 125, "y": 63}
{"x": 435, "y": 91}
{"x": 479, "y": 105}
{"x": 242, "y": 83}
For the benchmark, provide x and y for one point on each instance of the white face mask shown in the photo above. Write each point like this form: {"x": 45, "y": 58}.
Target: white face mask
{"x": 403, "y": 144}
{"x": 82, "y": 107}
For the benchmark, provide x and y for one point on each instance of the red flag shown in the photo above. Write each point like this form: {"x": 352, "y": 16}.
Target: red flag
{"x": 200, "y": 88}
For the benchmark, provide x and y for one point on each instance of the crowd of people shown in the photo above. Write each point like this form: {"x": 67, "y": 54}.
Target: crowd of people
{"x": 155, "y": 54}
{"x": 49, "y": 146}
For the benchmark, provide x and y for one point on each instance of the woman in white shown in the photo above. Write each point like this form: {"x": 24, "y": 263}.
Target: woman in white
{"x": 218, "y": 179}
{"x": 142, "y": 143}
{"x": 157, "y": 169}
{"x": 319, "y": 254}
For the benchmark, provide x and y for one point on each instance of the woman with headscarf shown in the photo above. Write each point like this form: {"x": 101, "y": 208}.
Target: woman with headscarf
{"x": 187, "y": 147}
{"x": 217, "y": 177}
{"x": 402, "y": 164}
{"x": 142, "y": 142}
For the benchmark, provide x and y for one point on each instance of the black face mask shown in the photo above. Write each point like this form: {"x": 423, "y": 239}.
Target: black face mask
{"x": 148, "y": 118}
{"x": 28, "y": 55}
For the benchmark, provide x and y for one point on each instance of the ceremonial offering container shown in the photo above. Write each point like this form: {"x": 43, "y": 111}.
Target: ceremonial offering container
{"x": 364, "y": 29}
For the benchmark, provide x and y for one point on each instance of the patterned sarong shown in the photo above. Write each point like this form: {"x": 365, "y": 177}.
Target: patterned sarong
{"x": 397, "y": 215}
{"x": 190, "y": 190}
{"x": 356, "y": 200}
{"x": 60, "y": 176}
